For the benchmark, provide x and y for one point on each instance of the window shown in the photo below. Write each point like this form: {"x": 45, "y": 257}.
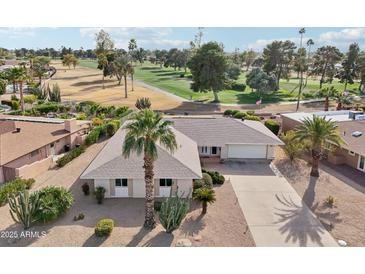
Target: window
{"x": 121, "y": 182}
{"x": 351, "y": 153}
{"x": 166, "y": 182}
{"x": 204, "y": 149}
{"x": 34, "y": 153}
{"x": 214, "y": 150}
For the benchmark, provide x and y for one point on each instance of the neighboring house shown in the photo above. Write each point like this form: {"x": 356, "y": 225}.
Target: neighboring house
{"x": 28, "y": 144}
{"x": 221, "y": 138}
{"x": 351, "y": 127}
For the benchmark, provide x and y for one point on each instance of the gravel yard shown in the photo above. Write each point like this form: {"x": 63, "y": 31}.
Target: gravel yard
{"x": 346, "y": 220}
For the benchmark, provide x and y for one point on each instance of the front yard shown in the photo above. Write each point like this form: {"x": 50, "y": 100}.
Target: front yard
{"x": 346, "y": 219}
{"x": 223, "y": 225}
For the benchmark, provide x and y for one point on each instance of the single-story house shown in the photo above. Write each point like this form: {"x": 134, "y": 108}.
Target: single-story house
{"x": 351, "y": 127}
{"x": 224, "y": 138}
{"x": 28, "y": 145}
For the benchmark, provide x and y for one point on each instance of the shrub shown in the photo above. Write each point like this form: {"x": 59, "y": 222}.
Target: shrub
{"x": 122, "y": 111}
{"x": 143, "y": 103}
{"x": 13, "y": 187}
{"x": 234, "y": 111}
{"x": 48, "y": 107}
{"x": 293, "y": 147}
{"x": 81, "y": 116}
{"x": 81, "y": 216}
{"x": 172, "y": 212}
{"x": 55, "y": 94}
{"x": 104, "y": 228}
{"x": 69, "y": 156}
{"x": 100, "y": 194}
{"x": 239, "y": 115}
{"x": 111, "y": 128}
{"x": 253, "y": 118}
{"x": 13, "y": 97}
{"x": 85, "y": 188}
{"x": 227, "y": 112}
{"x": 330, "y": 201}
{"x": 14, "y": 104}
{"x": 157, "y": 205}
{"x": 97, "y": 121}
{"x": 217, "y": 178}
{"x": 23, "y": 209}
{"x": 30, "y": 99}
{"x": 250, "y": 112}
{"x": 238, "y": 87}
{"x": 53, "y": 202}
{"x": 273, "y": 126}
{"x": 95, "y": 134}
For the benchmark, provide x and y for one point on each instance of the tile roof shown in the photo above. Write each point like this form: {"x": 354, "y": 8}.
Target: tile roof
{"x": 184, "y": 163}
{"x": 218, "y": 131}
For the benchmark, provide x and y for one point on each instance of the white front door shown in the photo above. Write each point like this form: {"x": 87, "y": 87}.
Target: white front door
{"x": 361, "y": 164}
{"x": 165, "y": 187}
{"x": 121, "y": 187}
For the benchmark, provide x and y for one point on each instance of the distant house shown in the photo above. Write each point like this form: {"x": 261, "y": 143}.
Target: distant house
{"x": 28, "y": 145}
{"x": 351, "y": 127}
{"x": 197, "y": 137}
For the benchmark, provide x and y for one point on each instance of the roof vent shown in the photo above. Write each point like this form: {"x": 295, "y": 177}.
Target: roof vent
{"x": 17, "y": 129}
{"x": 356, "y": 133}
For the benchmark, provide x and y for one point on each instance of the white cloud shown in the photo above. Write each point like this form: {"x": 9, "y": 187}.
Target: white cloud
{"x": 146, "y": 37}
{"x": 14, "y": 33}
{"x": 349, "y": 35}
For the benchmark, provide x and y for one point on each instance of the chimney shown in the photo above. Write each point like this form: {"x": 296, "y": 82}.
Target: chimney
{"x": 71, "y": 125}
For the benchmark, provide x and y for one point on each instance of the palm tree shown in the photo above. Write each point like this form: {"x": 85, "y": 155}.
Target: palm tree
{"x": 39, "y": 71}
{"x": 131, "y": 72}
{"x": 143, "y": 132}
{"x": 205, "y": 195}
{"x": 18, "y": 75}
{"x": 327, "y": 93}
{"x": 318, "y": 132}
{"x": 310, "y": 43}
{"x": 342, "y": 99}
{"x": 123, "y": 68}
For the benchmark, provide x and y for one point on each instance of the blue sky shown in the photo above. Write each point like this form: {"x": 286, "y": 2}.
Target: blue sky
{"x": 152, "y": 38}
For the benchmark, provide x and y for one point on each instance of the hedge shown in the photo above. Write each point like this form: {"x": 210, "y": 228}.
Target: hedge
{"x": 13, "y": 187}
{"x": 252, "y": 117}
{"x": 69, "y": 156}
{"x": 217, "y": 178}
{"x": 273, "y": 126}
{"x": 48, "y": 107}
{"x": 95, "y": 134}
{"x": 11, "y": 103}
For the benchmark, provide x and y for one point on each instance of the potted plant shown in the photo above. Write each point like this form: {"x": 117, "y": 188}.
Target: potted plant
{"x": 86, "y": 189}
{"x": 100, "y": 194}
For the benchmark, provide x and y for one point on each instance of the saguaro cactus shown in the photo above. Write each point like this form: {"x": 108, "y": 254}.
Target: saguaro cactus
{"x": 23, "y": 208}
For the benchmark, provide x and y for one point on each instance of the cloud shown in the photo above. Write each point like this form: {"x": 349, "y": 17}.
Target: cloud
{"x": 349, "y": 35}
{"x": 149, "y": 38}
{"x": 15, "y": 33}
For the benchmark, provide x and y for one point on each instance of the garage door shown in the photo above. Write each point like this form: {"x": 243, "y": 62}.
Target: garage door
{"x": 247, "y": 151}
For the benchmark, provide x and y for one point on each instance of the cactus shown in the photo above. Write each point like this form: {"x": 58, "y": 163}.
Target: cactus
{"x": 23, "y": 208}
{"x": 172, "y": 212}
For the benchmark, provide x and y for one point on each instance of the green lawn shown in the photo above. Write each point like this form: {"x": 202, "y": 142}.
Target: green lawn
{"x": 170, "y": 80}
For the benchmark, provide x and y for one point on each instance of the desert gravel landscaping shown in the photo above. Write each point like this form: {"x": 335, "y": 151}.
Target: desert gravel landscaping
{"x": 223, "y": 225}
{"x": 346, "y": 220}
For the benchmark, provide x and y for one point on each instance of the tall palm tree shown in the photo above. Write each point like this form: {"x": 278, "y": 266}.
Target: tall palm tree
{"x": 327, "y": 93}
{"x": 143, "y": 132}
{"x": 310, "y": 43}
{"x": 123, "y": 68}
{"x": 318, "y": 132}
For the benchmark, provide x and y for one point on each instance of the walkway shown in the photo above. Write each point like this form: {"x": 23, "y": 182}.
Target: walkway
{"x": 273, "y": 210}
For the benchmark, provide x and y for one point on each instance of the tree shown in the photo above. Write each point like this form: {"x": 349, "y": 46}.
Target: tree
{"x": 347, "y": 73}
{"x": 327, "y": 93}
{"x": 324, "y": 61}
{"x": 19, "y": 75}
{"x": 233, "y": 71}
{"x": 39, "y": 71}
{"x": 123, "y": 68}
{"x": 277, "y": 59}
{"x": 68, "y": 60}
{"x": 361, "y": 72}
{"x": 205, "y": 195}
{"x": 146, "y": 129}
{"x": 310, "y": 43}
{"x": 103, "y": 62}
{"x": 208, "y": 67}
{"x": 318, "y": 132}
{"x": 3, "y": 82}
{"x": 300, "y": 66}
{"x": 104, "y": 42}
{"x": 249, "y": 58}
{"x": 292, "y": 148}
{"x": 140, "y": 55}
{"x": 132, "y": 47}
{"x": 260, "y": 81}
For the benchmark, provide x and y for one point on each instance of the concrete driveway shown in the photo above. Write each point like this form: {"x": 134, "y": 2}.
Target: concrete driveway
{"x": 274, "y": 211}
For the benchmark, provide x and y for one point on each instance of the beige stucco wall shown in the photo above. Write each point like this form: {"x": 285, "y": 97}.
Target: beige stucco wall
{"x": 139, "y": 190}
{"x": 28, "y": 159}
{"x": 185, "y": 187}
{"x": 342, "y": 156}
{"x": 105, "y": 184}
{"x": 270, "y": 152}
{"x": 288, "y": 124}
{"x": 34, "y": 169}
{"x": 224, "y": 152}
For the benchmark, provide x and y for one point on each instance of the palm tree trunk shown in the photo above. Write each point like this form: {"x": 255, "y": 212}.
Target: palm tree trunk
{"x": 132, "y": 82}
{"x": 149, "y": 221}
{"x": 21, "y": 96}
{"x": 300, "y": 89}
{"x": 125, "y": 87}
{"x": 205, "y": 206}
{"x": 14, "y": 89}
{"x": 103, "y": 80}
{"x": 326, "y": 103}
{"x": 315, "y": 163}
